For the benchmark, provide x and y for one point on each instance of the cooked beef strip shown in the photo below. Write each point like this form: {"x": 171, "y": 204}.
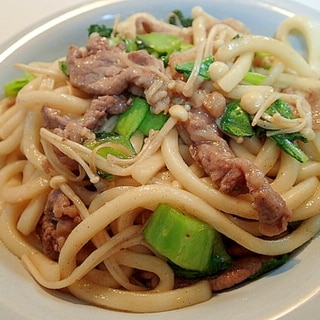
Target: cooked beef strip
{"x": 59, "y": 218}
{"x": 242, "y": 269}
{"x": 234, "y": 175}
{"x": 93, "y": 71}
{"x": 103, "y": 106}
{"x": 73, "y": 129}
{"x": 244, "y": 266}
{"x": 102, "y": 69}
{"x": 53, "y": 118}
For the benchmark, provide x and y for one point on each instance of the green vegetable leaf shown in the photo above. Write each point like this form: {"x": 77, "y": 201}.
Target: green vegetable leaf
{"x": 104, "y": 175}
{"x": 130, "y": 44}
{"x": 12, "y": 88}
{"x": 262, "y": 54}
{"x": 282, "y": 107}
{"x": 270, "y": 265}
{"x": 178, "y": 18}
{"x": 130, "y": 120}
{"x": 286, "y": 141}
{"x": 254, "y": 78}
{"x": 159, "y": 43}
{"x": 287, "y": 144}
{"x": 235, "y": 121}
{"x": 119, "y": 146}
{"x": 189, "y": 244}
{"x": 101, "y": 29}
{"x": 187, "y": 67}
{"x": 152, "y": 121}
{"x": 64, "y": 67}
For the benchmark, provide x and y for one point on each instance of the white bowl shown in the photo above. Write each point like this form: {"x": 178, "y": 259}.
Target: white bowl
{"x": 282, "y": 293}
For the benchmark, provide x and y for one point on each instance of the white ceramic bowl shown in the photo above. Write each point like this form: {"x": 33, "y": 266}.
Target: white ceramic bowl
{"x": 279, "y": 294}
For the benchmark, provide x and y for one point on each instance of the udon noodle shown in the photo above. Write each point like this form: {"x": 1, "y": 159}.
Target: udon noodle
{"x": 97, "y": 261}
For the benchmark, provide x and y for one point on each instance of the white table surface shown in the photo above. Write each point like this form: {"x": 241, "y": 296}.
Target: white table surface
{"x": 17, "y": 16}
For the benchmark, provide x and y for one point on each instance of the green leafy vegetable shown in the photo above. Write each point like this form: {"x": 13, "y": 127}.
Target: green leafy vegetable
{"x": 187, "y": 67}
{"x": 262, "y": 54}
{"x": 254, "y": 78}
{"x": 160, "y": 43}
{"x": 139, "y": 117}
{"x": 237, "y": 36}
{"x": 152, "y": 121}
{"x": 104, "y": 31}
{"x": 64, "y": 67}
{"x": 270, "y": 265}
{"x": 281, "y": 107}
{"x": 101, "y": 29}
{"x": 286, "y": 142}
{"x": 177, "y": 18}
{"x": 220, "y": 260}
{"x": 117, "y": 145}
{"x": 235, "y": 121}
{"x": 130, "y": 44}
{"x": 189, "y": 244}
{"x": 105, "y": 175}
{"x": 130, "y": 120}
{"x": 12, "y": 88}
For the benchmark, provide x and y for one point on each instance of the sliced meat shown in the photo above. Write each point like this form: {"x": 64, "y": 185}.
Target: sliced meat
{"x": 142, "y": 58}
{"x": 53, "y": 118}
{"x": 59, "y": 218}
{"x": 101, "y": 107}
{"x": 245, "y": 265}
{"x": 94, "y": 70}
{"x": 242, "y": 269}
{"x": 234, "y": 175}
{"x": 108, "y": 70}
{"x": 74, "y": 129}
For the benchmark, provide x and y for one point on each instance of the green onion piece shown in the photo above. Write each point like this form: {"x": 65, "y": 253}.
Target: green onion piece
{"x": 160, "y": 43}
{"x": 152, "y": 121}
{"x": 130, "y": 120}
{"x": 254, "y": 78}
{"x": 184, "y": 240}
{"x": 235, "y": 121}
{"x": 187, "y": 67}
{"x": 123, "y": 151}
{"x": 12, "y": 88}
